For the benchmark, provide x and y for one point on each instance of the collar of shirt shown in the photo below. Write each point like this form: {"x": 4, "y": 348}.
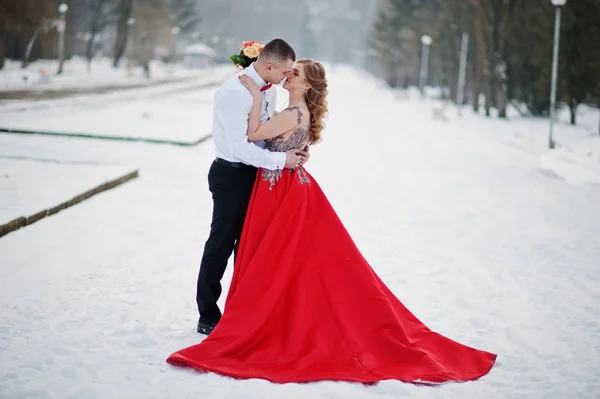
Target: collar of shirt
{"x": 251, "y": 71}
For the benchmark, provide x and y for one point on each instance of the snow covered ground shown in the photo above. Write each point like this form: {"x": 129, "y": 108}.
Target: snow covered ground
{"x": 75, "y": 104}
{"x": 577, "y": 154}
{"x": 29, "y": 185}
{"x": 461, "y": 218}
{"x": 41, "y": 74}
{"x": 185, "y": 117}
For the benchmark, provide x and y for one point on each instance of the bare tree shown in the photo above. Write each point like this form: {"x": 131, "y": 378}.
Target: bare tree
{"x": 2, "y": 58}
{"x": 18, "y": 24}
{"x": 124, "y": 13}
{"x": 185, "y": 15}
{"x": 493, "y": 24}
{"x": 44, "y": 26}
{"x": 99, "y": 14}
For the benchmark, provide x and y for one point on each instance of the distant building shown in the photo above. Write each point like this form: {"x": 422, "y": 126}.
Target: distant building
{"x": 198, "y": 55}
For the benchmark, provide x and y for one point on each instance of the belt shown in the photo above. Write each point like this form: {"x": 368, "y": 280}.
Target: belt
{"x": 238, "y": 165}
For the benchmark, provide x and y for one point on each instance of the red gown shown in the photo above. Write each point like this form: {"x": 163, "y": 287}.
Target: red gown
{"x": 304, "y": 304}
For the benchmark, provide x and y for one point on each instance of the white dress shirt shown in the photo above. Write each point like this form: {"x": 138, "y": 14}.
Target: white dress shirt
{"x": 232, "y": 104}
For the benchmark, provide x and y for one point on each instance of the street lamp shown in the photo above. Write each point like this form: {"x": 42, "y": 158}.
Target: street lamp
{"x": 426, "y": 42}
{"x": 462, "y": 71}
{"x": 175, "y": 31}
{"x": 60, "y": 27}
{"x": 558, "y": 4}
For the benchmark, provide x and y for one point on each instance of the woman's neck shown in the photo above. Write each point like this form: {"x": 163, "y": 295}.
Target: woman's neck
{"x": 297, "y": 101}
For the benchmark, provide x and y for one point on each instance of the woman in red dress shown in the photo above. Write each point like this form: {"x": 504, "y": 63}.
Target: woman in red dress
{"x": 304, "y": 304}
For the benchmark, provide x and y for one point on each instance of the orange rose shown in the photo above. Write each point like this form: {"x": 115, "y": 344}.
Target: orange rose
{"x": 251, "y": 52}
{"x": 258, "y": 46}
{"x": 247, "y": 43}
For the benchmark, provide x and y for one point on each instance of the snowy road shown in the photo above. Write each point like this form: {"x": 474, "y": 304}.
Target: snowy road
{"x": 478, "y": 240}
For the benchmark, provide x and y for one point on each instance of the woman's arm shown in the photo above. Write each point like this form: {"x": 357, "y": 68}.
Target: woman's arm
{"x": 257, "y": 98}
{"x": 278, "y": 124}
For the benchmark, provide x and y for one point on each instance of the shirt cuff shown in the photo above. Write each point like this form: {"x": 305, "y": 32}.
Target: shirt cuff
{"x": 280, "y": 160}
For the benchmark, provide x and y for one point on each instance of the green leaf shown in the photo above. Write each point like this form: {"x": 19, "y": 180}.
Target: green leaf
{"x": 237, "y": 60}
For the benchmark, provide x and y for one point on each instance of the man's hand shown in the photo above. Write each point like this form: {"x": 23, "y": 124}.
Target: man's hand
{"x": 294, "y": 159}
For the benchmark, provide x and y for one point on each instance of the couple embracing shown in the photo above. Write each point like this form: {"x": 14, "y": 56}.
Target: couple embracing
{"x": 303, "y": 304}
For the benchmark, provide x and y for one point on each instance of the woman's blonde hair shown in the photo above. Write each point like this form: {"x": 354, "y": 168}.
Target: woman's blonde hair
{"x": 316, "y": 97}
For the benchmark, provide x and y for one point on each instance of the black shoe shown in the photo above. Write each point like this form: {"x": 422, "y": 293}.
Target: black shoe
{"x": 206, "y": 328}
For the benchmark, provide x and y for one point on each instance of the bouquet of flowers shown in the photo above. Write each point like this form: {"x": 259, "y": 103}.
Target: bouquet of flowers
{"x": 249, "y": 53}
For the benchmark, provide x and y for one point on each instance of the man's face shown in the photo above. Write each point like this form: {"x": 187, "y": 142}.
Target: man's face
{"x": 278, "y": 72}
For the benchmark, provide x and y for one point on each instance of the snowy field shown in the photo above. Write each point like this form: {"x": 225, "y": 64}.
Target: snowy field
{"x": 59, "y": 109}
{"x": 185, "y": 117}
{"x": 29, "y": 185}
{"x": 41, "y": 74}
{"x": 466, "y": 220}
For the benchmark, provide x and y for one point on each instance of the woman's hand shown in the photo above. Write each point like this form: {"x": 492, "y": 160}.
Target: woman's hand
{"x": 251, "y": 85}
{"x": 305, "y": 155}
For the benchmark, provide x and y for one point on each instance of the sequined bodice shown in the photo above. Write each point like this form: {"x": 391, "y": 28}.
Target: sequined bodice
{"x": 297, "y": 139}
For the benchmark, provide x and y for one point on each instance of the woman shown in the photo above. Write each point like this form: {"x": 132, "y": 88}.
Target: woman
{"x": 304, "y": 305}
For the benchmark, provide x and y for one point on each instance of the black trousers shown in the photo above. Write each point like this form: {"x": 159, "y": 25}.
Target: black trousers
{"x": 231, "y": 188}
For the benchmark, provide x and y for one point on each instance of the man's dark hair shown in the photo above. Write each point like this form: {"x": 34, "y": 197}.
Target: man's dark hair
{"x": 278, "y": 50}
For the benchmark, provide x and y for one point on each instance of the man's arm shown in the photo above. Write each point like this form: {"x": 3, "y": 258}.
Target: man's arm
{"x": 232, "y": 109}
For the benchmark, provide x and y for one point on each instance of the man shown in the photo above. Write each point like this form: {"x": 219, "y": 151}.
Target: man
{"x": 232, "y": 174}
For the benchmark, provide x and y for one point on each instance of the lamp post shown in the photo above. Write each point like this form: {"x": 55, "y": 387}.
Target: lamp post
{"x": 175, "y": 31}
{"x": 132, "y": 31}
{"x": 558, "y": 4}
{"x": 462, "y": 71}
{"x": 60, "y": 27}
{"x": 426, "y": 42}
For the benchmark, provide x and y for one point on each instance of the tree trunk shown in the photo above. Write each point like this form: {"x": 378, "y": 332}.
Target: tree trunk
{"x": 501, "y": 100}
{"x": 475, "y": 93}
{"x": 443, "y": 78}
{"x": 97, "y": 7}
{"x": 125, "y": 7}
{"x": 476, "y": 72}
{"x": 492, "y": 80}
{"x": 501, "y": 87}
{"x": 476, "y": 97}
{"x": 487, "y": 82}
{"x": 30, "y": 44}
{"x": 453, "y": 87}
{"x": 483, "y": 50}
{"x": 573, "y": 110}
{"x": 89, "y": 50}
{"x": 499, "y": 19}
{"x": 2, "y": 53}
